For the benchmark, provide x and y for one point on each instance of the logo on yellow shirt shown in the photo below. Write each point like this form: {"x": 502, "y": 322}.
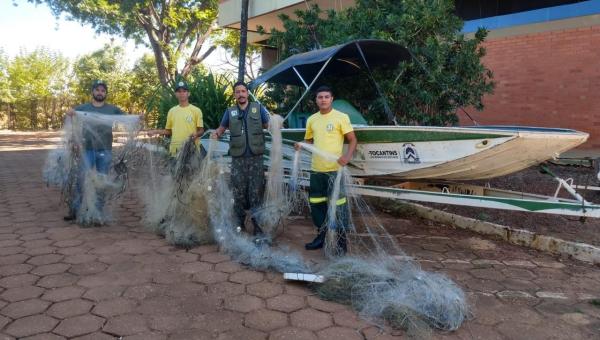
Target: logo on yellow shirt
{"x": 188, "y": 119}
{"x": 329, "y": 127}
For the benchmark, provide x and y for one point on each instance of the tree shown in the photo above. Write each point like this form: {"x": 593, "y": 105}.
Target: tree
{"x": 444, "y": 75}
{"x": 107, "y": 64}
{"x": 6, "y": 98}
{"x": 144, "y": 86}
{"x": 170, "y": 28}
{"x": 35, "y": 79}
{"x": 230, "y": 39}
{"x": 243, "y": 40}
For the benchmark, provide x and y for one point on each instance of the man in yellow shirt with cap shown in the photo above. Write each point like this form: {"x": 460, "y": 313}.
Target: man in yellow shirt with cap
{"x": 327, "y": 130}
{"x": 183, "y": 121}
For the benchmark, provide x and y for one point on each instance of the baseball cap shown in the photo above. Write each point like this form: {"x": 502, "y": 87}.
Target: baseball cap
{"x": 99, "y": 82}
{"x": 181, "y": 85}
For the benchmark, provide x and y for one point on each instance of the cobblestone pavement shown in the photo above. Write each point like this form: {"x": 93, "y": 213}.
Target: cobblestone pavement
{"x": 59, "y": 281}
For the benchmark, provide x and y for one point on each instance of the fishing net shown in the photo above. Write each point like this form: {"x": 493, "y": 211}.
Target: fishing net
{"x": 280, "y": 198}
{"x": 175, "y": 204}
{"x": 189, "y": 201}
{"x": 377, "y": 278}
{"x": 240, "y": 246}
{"x": 86, "y": 184}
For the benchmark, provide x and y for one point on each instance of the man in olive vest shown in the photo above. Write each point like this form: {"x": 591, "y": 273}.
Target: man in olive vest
{"x": 245, "y": 122}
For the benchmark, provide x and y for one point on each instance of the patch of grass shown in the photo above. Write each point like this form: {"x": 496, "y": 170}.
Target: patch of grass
{"x": 483, "y": 216}
{"x": 393, "y": 207}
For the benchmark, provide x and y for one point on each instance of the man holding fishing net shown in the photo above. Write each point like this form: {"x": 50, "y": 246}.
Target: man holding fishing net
{"x": 326, "y": 130}
{"x": 183, "y": 121}
{"x": 245, "y": 121}
{"x": 96, "y": 143}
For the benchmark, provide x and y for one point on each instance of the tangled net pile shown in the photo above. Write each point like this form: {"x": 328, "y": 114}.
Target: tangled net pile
{"x": 377, "y": 278}
{"x": 189, "y": 201}
{"x": 174, "y": 206}
{"x": 280, "y": 199}
{"x": 192, "y": 204}
{"x": 65, "y": 166}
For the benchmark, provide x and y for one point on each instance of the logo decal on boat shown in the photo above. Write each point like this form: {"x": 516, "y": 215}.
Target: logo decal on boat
{"x": 410, "y": 154}
{"x": 383, "y": 154}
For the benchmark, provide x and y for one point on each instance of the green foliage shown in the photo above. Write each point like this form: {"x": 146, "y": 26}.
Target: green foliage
{"x": 36, "y": 88}
{"x": 107, "y": 64}
{"x": 174, "y": 29}
{"x": 5, "y": 94}
{"x": 212, "y": 94}
{"x": 143, "y": 86}
{"x": 229, "y": 39}
{"x": 33, "y": 89}
{"x": 446, "y": 73}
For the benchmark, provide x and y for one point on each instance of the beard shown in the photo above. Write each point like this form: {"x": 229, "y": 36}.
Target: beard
{"x": 99, "y": 97}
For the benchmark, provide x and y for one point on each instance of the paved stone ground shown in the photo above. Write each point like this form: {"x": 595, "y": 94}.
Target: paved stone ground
{"x": 59, "y": 281}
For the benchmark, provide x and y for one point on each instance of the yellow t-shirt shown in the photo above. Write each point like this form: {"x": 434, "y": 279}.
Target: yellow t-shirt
{"x": 182, "y": 121}
{"x": 327, "y": 132}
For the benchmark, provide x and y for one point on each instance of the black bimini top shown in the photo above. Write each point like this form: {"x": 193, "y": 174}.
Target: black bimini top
{"x": 346, "y": 60}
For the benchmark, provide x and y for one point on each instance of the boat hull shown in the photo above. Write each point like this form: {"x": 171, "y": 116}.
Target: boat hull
{"x": 444, "y": 153}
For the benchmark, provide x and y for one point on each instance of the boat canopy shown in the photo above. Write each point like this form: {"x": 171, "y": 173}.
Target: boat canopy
{"x": 340, "y": 60}
{"x": 347, "y": 59}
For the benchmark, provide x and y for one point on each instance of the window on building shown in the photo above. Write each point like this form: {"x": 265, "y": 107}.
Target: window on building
{"x": 479, "y": 9}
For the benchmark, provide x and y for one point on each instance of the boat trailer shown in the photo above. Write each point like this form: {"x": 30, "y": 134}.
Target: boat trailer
{"x": 483, "y": 196}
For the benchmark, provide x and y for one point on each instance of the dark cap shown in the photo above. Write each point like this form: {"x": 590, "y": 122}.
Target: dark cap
{"x": 181, "y": 85}
{"x": 99, "y": 82}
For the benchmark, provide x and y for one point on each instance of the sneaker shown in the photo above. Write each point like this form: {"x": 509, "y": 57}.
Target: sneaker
{"x": 70, "y": 217}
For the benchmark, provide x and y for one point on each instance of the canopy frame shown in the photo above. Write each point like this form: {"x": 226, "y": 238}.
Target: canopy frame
{"x": 289, "y": 69}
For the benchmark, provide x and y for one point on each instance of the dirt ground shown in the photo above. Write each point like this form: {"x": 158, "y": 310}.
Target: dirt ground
{"x": 532, "y": 180}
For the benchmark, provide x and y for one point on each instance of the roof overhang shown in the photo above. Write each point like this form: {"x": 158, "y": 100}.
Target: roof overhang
{"x": 266, "y": 13}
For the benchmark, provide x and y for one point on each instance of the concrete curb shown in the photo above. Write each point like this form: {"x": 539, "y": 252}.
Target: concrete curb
{"x": 580, "y": 251}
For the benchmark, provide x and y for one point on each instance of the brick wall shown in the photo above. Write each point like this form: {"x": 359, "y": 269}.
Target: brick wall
{"x": 549, "y": 79}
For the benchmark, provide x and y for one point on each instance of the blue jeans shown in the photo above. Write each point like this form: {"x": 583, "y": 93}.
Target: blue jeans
{"x": 92, "y": 159}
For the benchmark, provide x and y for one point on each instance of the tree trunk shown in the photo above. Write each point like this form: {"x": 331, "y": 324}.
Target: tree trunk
{"x": 243, "y": 40}
{"x": 33, "y": 114}
{"x": 53, "y": 120}
{"x": 46, "y": 114}
{"x": 161, "y": 64}
{"x": 12, "y": 118}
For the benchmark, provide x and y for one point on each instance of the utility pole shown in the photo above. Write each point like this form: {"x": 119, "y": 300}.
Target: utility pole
{"x": 243, "y": 40}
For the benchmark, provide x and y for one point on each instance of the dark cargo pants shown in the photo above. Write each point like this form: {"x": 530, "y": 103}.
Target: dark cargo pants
{"x": 321, "y": 186}
{"x": 248, "y": 184}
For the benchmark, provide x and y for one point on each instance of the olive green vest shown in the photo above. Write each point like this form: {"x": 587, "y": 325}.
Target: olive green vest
{"x": 256, "y": 137}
